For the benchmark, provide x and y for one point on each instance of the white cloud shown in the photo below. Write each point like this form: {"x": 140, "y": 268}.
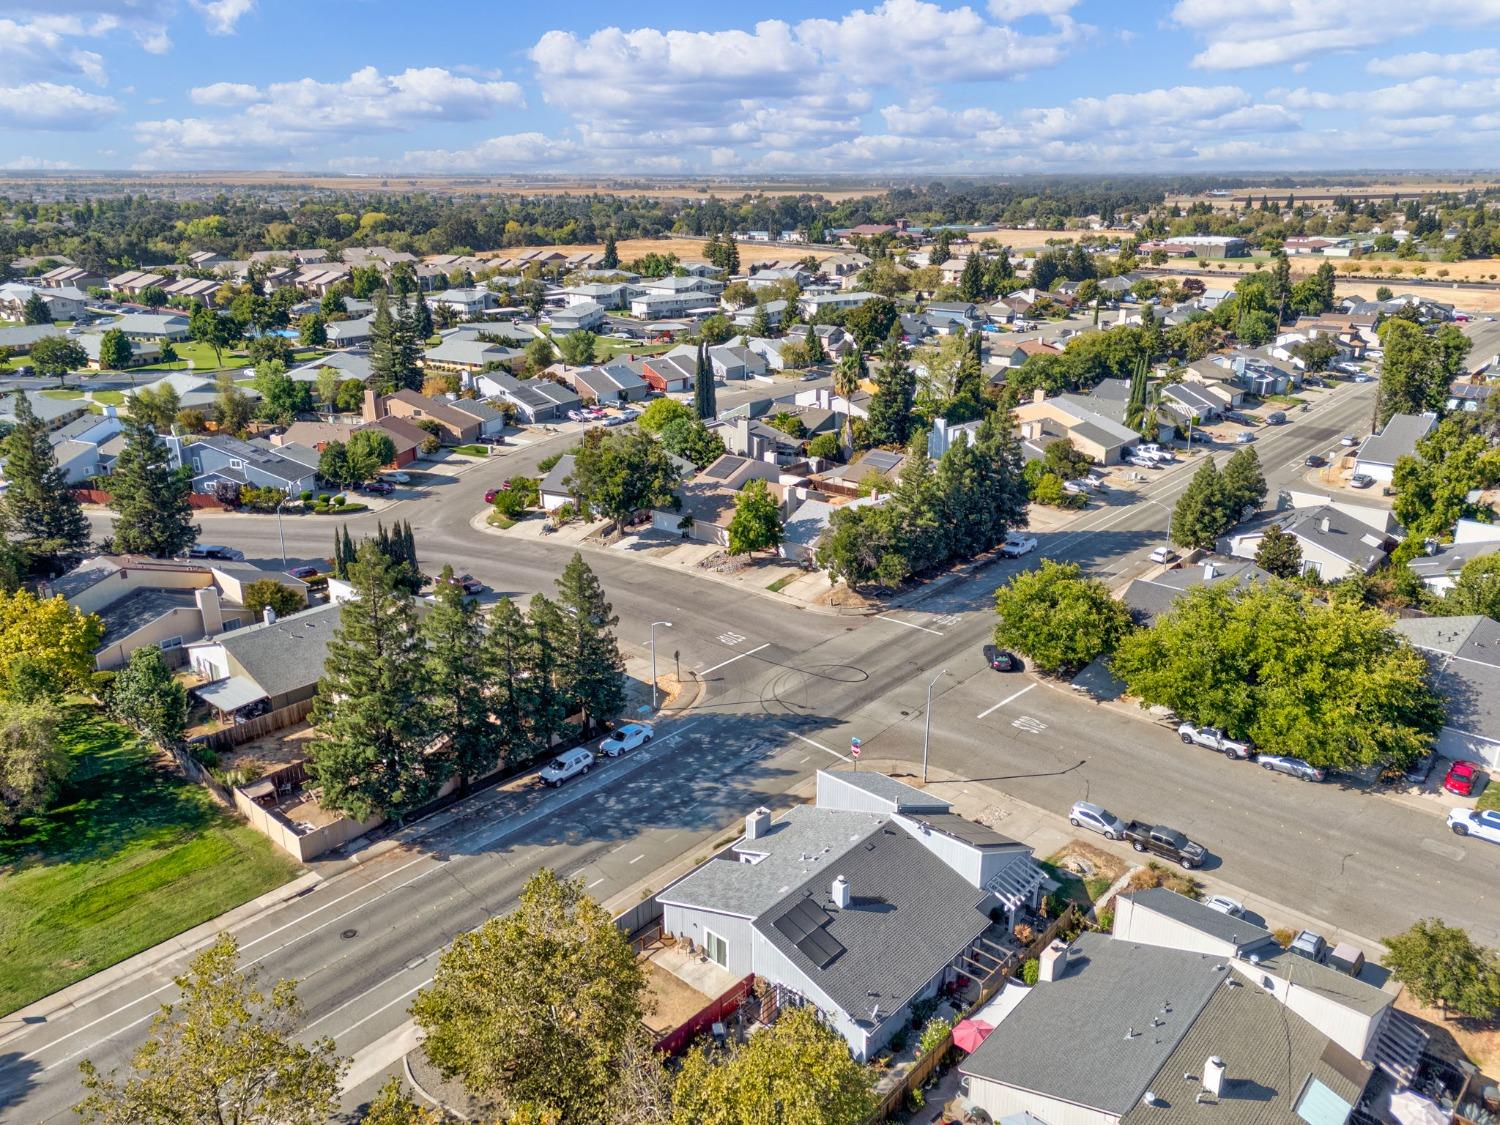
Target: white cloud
{"x": 48, "y": 105}
{"x": 1008, "y": 11}
{"x": 221, "y": 16}
{"x": 36, "y": 164}
{"x": 1248, "y": 33}
{"x": 42, "y": 50}
{"x": 306, "y": 116}
{"x": 1485, "y": 60}
{"x": 517, "y": 150}
{"x": 145, "y": 20}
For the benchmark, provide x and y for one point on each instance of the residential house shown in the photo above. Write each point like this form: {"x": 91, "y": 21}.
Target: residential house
{"x": 732, "y": 361}
{"x": 554, "y": 486}
{"x": 1337, "y": 539}
{"x": 71, "y": 277}
{"x": 465, "y": 355}
{"x": 535, "y": 400}
{"x": 219, "y": 462}
{"x": 1184, "y": 1014}
{"x": 620, "y": 380}
{"x": 1398, "y": 438}
{"x": 1197, "y": 403}
{"x": 670, "y": 373}
{"x": 943, "y": 436}
{"x": 194, "y": 389}
{"x": 278, "y": 661}
{"x": 317, "y": 435}
{"x": 491, "y": 421}
{"x": 880, "y": 465}
{"x": 1013, "y": 353}
{"x": 654, "y": 306}
{"x": 457, "y": 426}
{"x": 1098, "y": 437}
{"x": 349, "y": 333}
{"x": 1438, "y": 566}
{"x": 707, "y": 500}
{"x": 162, "y": 602}
{"x": 63, "y": 303}
{"x": 1464, "y": 653}
{"x": 775, "y": 312}
{"x": 804, "y": 530}
{"x": 812, "y": 304}
{"x": 606, "y": 294}
{"x": 470, "y": 302}
{"x": 153, "y": 327}
{"x": 705, "y": 288}
{"x": 132, "y": 283}
{"x": 769, "y": 350}
{"x": 836, "y": 342}
{"x": 141, "y": 351}
{"x": 320, "y": 277}
{"x": 1149, "y": 597}
{"x": 193, "y": 288}
{"x": 586, "y": 316}
{"x": 77, "y": 445}
{"x": 351, "y": 364}
{"x": 863, "y": 904}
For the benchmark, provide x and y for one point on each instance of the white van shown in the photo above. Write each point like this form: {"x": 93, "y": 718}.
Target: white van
{"x": 567, "y": 765}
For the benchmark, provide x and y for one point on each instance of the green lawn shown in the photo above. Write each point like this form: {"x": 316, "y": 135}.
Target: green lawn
{"x": 1489, "y": 796}
{"x": 130, "y": 855}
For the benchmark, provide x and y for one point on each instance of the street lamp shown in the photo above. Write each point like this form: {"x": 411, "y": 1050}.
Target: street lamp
{"x": 654, "y": 624}
{"x": 280, "y": 534}
{"x": 927, "y": 727}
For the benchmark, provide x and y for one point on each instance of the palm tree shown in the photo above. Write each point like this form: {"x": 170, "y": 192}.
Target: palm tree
{"x": 846, "y": 379}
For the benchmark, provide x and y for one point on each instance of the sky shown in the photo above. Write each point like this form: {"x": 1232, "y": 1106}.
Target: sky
{"x": 897, "y": 86}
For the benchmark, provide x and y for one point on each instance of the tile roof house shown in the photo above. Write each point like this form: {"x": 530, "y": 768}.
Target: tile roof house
{"x": 1184, "y": 1015}
{"x": 1337, "y": 539}
{"x": 1398, "y": 438}
{"x": 862, "y": 904}
{"x": 1465, "y": 656}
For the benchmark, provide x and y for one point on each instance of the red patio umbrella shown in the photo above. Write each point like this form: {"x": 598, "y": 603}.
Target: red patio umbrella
{"x": 968, "y": 1034}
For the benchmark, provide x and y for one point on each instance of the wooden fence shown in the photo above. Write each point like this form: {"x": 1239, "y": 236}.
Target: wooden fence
{"x": 251, "y": 729}
{"x": 674, "y": 1042}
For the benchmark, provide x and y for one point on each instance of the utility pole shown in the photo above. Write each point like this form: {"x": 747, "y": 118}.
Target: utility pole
{"x": 927, "y": 725}
{"x": 654, "y": 624}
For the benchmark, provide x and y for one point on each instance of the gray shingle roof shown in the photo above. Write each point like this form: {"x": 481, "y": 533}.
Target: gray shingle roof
{"x": 909, "y": 915}
{"x": 1269, "y": 1056}
{"x": 1398, "y": 439}
{"x": 288, "y": 653}
{"x": 1212, "y": 922}
{"x": 141, "y": 608}
{"x": 1068, "y": 1038}
{"x": 1341, "y": 988}
{"x": 903, "y": 798}
{"x": 1465, "y": 657}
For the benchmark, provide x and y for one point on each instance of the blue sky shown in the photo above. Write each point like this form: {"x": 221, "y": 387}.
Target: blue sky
{"x": 901, "y": 86}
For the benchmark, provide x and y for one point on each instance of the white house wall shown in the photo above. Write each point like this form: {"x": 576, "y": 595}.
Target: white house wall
{"x": 775, "y": 966}
{"x": 1137, "y": 923}
{"x": 1461, "y": 745}
{"x": 1001, "y": 1101}
{"x": 686, "y": 922}
{"x": 1350, "y": 1029}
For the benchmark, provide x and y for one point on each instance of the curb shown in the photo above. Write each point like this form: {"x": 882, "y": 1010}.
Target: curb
{"x": 137, "y": 965}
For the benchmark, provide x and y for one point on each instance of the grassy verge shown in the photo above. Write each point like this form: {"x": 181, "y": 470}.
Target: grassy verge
{"x": 472, "y": 450}
{"x": 129, "y": 856}
{"x": 1489, "y": 797}
{"x": 781, "y": 583}
{"x": 497, "y": 519}
{"x": 1285, "y": 400}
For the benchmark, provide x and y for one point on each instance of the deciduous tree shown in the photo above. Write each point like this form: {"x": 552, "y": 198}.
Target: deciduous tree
{"x": 233, "y": 408}
{"x": 1058, "y": 618}
{"x": 225, "y": 1052}
{"x": 537, "y": 1006}
{"x": 146, "y": 696}
{"x": 55, "y": 356}
{"x": 115, "y": 350}
{"x": 33, "y": 760}
{"x": 756, "y": 523}
{"x": 616, "y": 475}
{"x": 1443, "y": 967}
{"x": 267, "y": 593}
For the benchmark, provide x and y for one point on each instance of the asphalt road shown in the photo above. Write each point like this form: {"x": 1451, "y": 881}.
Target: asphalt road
{"x": 785, "y": 689}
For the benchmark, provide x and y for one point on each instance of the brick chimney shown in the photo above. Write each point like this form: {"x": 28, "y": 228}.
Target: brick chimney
{"x": 374, "y": 406}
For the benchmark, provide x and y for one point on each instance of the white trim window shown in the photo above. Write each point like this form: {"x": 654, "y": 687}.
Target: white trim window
{"x": 716, "y": 948}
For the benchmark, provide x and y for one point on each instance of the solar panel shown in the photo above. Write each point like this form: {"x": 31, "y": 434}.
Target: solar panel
{"x": 801, "y": 920}
{"x": 820, "y": 947}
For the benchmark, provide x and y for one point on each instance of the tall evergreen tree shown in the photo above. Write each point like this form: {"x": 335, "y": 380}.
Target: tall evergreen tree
{"x": 1243, "y": 484}
{"x": 421, "y": 318}
{"x": 889, "y": 422}
{"x": 150, "y": 498}
{"x": 592, "y": 668}
{"x": 35, "y": 310}
{"x": 760, "y": 322}
{"x": 513, "y": 686}
{"x": 393, "y": 349}
{"x": 38, "y": 507}
{"x": 371, "y": 710}
{"x": 705, "y": 401}
{"x": 1135, "y": 406}
{"x": 971, "y": 280}
{"x": 456, "y": 679}
{"x": 611, "y": 258}
{"x": 815, "y": 351}
{"x": 547, "y": 628}
{"x": 1200, "y": 515}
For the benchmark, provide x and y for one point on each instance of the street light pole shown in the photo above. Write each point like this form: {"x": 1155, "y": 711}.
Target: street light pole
{"x": 280, "y": 533}
{"x": 927, "y": 726}
{"x": 654, "y": 624}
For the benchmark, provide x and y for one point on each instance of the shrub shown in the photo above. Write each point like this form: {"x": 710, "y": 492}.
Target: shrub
{"x": 206, "y": 756}
{"x": 508, "y": 503}
{"x": 1106, "y": 920}
{"x": 340, "y": 500}
{"x": 934, "y": 1035}
{"x": 323, "y": 498}
{"x": 1031, "y": 971}
{"x": 306, "y": 495}
{"x": 1158, "y": 875}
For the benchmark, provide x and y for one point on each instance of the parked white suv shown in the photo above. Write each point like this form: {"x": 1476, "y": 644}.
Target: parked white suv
{"x": 566, "y": 766}
{"x": 1017, "y": 545}
{"x": 1215, "y": 739}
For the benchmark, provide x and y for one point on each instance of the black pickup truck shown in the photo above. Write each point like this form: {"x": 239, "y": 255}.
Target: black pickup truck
{"x": 1166, "y": 842}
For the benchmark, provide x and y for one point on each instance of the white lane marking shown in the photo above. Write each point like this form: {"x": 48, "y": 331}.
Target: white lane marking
{"x": 636, "y": 860}
{"x": 731, "y": 639}
{"x": 1003, "y": 702}
{"x": 732, "y": 659}
{"x": 345, "y": 1033}
{"x": 908, "y": 624}
{"x": 820, "y": 746}
{"x": 594, "y": 884}
{"x": 1029, "y": 724}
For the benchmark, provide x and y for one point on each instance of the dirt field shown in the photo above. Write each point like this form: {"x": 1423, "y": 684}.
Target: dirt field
{"x": 686, "y": 249}
{"x": 1466, "y": 297}
{"x": 1416, "y": 185}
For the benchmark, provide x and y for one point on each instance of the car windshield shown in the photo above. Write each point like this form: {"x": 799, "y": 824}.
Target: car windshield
{"x": 559, "y": 763}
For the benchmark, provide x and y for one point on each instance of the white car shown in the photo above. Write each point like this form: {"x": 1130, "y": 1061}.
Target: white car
{"x": 1017, "y": 545}
{"x": 1163, "y": 555}
{"x": 577, "y": 416}
{"x": 1215, "y": 739}
{"x": 1482, "y": 823}
{"x": 1225, "y": 905}
{"x": 397, "y": 478}
{"x": 569, "y": 764}
{"x": 625, "y": 739}
{"x": 1098, "y": 819}
{"x": 1348, "y": 441}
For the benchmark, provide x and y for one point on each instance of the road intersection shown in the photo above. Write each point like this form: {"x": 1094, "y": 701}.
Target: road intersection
{"x": 783, "y": 691}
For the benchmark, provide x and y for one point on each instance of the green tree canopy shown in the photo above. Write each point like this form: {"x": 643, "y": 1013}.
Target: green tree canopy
{"x": 33, "y": 760}
{"x": 115, "y": 350}
{"x": 145, "y": 695}
{"x": 37, "y": 506}
{"x": 616, "y": 475}
{"x": 1433, "y": 486}
{"x": 1279, "y": 553}
{"x": 267, "y": 593}
{"x": 55, "y": 356}
{"x": 1476, "y": 590}
{"x": 224, "y": 1052}
{"x": 661, "y": 411}
{"x": 453, "y": 633}
{"x": 150, "y": 498}
{"x": 1443, "y": 967}
{"x": 1058, "y": 618}
{"x": 591, "y": 671}
{"x": 756, "y": 523}
{"x": 538, "y": 1005}
{"x": 798, "y": 1070}
{"x": 1331, "y": 683}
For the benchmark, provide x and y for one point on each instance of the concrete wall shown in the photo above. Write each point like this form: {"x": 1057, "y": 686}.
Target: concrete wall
{"x": 126, "y": 581}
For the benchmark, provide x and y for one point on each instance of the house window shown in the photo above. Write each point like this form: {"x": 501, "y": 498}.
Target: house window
{"x": 170, "y": 642}
{"x": 716, "y": 948}
{"x": 236, "y": 463}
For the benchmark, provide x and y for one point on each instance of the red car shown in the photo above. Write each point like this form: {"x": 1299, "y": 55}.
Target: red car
{"x": 1462, "y": 778}
{"x": 489, "y": 496}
